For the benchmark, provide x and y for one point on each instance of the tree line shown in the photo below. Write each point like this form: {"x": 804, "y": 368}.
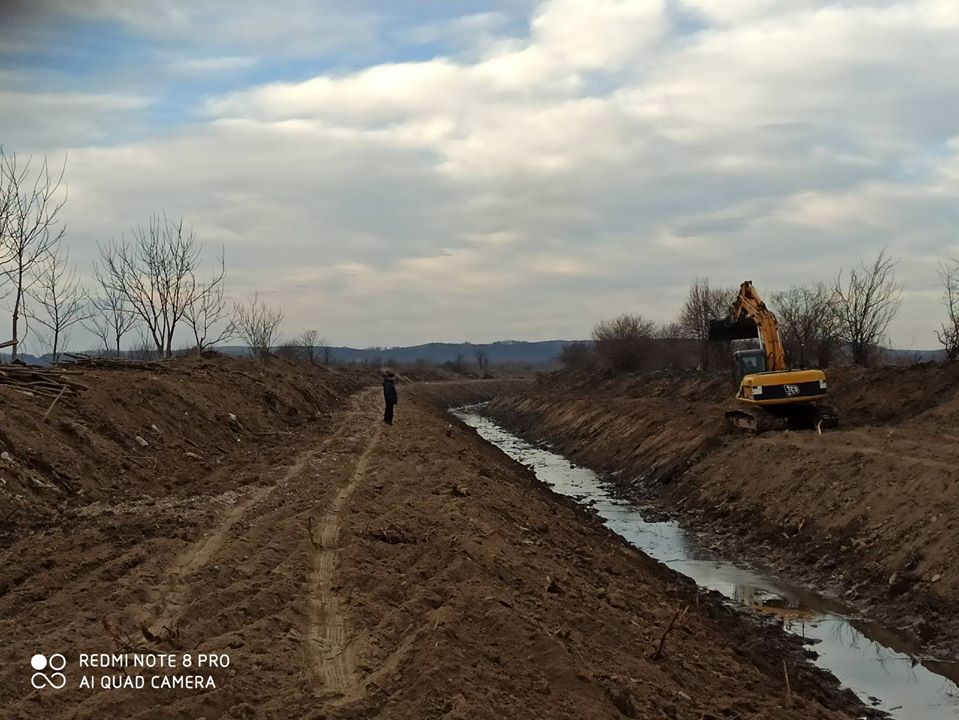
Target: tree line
{"x": 820, "y": 323}
{"x": 148, "y": 285}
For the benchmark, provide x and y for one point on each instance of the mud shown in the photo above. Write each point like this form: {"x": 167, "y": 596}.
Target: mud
{"x": 351, "y": 570}
{"x": 871, "y": 660}
{"x": 868, "y": 513}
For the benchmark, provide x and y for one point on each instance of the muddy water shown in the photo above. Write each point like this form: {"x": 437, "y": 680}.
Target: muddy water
{"x": 873, "y": 661}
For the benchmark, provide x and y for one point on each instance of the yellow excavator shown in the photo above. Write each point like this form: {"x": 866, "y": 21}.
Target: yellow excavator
{"x": 770, "y": 395}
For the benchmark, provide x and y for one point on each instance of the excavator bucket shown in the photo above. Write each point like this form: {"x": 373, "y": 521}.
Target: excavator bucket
{"x": 725, "y": 331}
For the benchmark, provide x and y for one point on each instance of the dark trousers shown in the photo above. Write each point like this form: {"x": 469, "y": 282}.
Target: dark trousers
{"x": 388, "y": 415}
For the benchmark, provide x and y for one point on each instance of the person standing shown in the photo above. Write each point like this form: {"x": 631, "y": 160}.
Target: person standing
{"x": 389, "y": 396}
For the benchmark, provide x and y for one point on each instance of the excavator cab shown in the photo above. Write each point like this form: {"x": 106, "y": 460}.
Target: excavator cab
{"x": 748, "y": 362}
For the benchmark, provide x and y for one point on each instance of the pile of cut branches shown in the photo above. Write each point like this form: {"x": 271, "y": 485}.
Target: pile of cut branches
{"x": 46, "y": 382}
{"x": 92, "y": 361}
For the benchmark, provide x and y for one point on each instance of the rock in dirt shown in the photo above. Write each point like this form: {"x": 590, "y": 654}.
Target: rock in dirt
{"x": 900, "y": 582}
{"x": 616, "y": 599}
{"x": 622, "y": 699}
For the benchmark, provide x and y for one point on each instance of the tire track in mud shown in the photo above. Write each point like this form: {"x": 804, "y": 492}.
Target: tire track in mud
{"x": 172, "y": 597}
{"x": 331, "y": 650}
{"x": 859, "y": 446}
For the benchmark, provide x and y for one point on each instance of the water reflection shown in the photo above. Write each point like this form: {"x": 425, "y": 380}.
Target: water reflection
{"x": 866, "y": 657}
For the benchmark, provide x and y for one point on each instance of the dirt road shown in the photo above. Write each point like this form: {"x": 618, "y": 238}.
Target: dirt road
{"x": 398, "y": 572}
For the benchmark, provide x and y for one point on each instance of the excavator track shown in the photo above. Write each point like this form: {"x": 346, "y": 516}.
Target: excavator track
{"x": 756, "y": 422}
{"x": 812, "y": 416}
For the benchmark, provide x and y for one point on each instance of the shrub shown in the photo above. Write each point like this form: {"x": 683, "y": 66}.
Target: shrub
{"x": 623, "y": 343}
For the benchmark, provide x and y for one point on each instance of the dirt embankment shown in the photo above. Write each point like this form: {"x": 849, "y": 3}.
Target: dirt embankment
{"x": 352, "y": 570}
{"x": 869, "y": 511}
{"x": 146, "y": 434}
{"x": 466, "y": 392}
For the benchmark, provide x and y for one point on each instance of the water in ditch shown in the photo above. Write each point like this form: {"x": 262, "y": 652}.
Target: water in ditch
{"x": 873, "y": 661}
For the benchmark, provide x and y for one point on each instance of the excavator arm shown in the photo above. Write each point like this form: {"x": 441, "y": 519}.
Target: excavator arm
{"x": 750, "y": 318}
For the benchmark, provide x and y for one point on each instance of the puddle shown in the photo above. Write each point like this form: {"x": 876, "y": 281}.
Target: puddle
{"x": 873, "y": 661}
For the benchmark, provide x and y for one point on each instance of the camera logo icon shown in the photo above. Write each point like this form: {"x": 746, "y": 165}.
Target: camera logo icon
{"x": 53, "y": 677}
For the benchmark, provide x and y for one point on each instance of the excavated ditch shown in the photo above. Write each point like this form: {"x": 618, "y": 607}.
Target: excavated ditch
{"x": 880, "y": 665}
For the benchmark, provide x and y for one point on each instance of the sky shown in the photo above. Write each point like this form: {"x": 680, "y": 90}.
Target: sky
{"x": 391, "y": 173}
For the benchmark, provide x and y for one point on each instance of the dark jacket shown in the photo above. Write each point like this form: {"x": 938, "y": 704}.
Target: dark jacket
{"x": 389, "y": 391}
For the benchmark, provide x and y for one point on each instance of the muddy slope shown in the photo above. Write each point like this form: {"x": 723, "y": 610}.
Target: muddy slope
{"x": 152, "y": 433}
{"x": 870, "y": 511}
{"x": 403, "y": 572}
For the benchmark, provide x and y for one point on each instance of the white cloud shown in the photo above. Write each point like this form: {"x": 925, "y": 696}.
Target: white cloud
{"x": 591, "y": 167}
{"x": 465, "y": 31}
{"x": 731, "y": 12}
{"x": 280, "y": 27}
{"x": 51, "y": 121}
{"x": 224, "y": 63}
{"x": 598, "y": 35}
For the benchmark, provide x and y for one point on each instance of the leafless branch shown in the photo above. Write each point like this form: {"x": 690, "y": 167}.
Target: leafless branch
{"x": 59, "y": 300}
{"x": 808, "y": 323}
{"x": 622, "y": 343}
{"x": 865, "y": 305}
{"x": 258, "y": 324}
{"x": 31, "y": 200}
{"x": 949, "y": 333}
{"x": 155, "y": 272}
{"x": 704, "y": 303}
{"x": 207, "y": 313}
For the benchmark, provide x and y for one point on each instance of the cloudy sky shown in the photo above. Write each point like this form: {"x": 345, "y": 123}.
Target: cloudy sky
{"x": 398, "y": 172}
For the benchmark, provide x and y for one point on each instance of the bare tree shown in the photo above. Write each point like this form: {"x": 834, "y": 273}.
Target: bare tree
{"x": 482, "y": 362}
{"x": 99, "y": 325}
{"x": 949, "y": 334}
{"x": 289, "y": 350}
{"x": 258, "y": 324}
{"x": 31, "y": 205}
{"x": 309, "y": 341}
{"x": 60, "y": 301}
{"x": 703, "y": 303}
{"x": 110, "y": 316}
{"x": 458, "y": 365}
{"x": 306, "y": 347}
{"x": 673, "y": 349}
{"x": 807, "y": 322}
{"x": 312, "y": 348}
{"x": 144, "y": 348}
{"x": 325, "y": 351}
{"x": 865, "y": 305}
{"x": 207, "y": 313}
{"x": 155, "y": 271}
{"x": 6, "y": 205}
{"x": 623, "y": 343}
{"x": 577, "y": 356}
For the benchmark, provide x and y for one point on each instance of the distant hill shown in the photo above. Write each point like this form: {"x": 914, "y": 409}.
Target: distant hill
{"x": 894, "y": 357}
{"x": 507, "y": 351}
{"x": 519, "y": 352}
